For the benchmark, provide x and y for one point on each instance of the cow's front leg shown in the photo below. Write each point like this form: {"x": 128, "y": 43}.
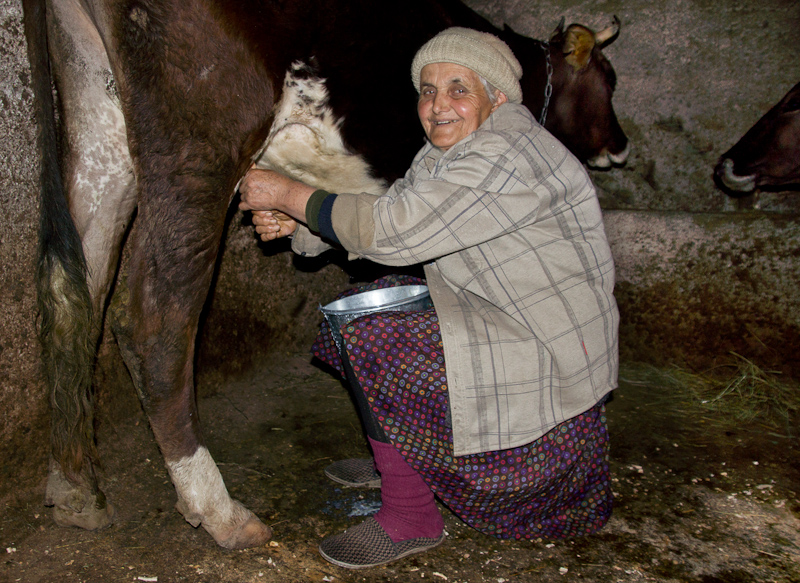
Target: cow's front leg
{"x": 202, "y": 495}
{"x": 171, "y": 266}
{"x": 203, "y": 499}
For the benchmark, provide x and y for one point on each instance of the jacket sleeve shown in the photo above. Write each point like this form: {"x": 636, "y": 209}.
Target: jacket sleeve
{"x": 307, "y": 244}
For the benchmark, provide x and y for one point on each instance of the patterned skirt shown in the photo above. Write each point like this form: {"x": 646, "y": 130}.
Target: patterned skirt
{"x": 555, "y": 487}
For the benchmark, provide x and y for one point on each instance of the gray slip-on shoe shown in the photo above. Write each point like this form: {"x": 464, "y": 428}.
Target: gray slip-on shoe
{"x": 356, "y": 473}
{"x": 367, "y": 545}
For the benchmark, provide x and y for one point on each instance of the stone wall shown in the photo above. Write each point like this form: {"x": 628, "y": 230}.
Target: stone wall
{"x": 21, "y": 399}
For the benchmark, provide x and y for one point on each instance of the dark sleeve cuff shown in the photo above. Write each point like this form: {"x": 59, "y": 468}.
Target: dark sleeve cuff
{"x": 325, "y": 219}
{"x": 312, "y": 209}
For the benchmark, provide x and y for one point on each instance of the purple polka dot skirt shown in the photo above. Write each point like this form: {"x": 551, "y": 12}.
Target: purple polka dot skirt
{"x": 555, "y": 487}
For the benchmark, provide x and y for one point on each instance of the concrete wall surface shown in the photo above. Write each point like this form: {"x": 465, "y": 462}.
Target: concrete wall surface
{"x": 693, "y": 288}
{"x": 21, "y": 397}
{"x": 694, "y": 282}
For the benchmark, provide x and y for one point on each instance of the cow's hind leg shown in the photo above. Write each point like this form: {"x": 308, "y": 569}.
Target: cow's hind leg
{"x": 81, "y": 234}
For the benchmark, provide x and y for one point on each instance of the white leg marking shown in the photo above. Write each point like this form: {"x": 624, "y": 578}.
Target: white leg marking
{"x": 98, "y": 168}
{"x": 202, "y": 496}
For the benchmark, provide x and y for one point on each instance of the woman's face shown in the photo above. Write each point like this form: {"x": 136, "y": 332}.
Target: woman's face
{"x": 452, "y": 103}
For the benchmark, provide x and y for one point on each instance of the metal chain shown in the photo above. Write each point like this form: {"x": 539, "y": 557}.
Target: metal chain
{"x": 548, "y": 90}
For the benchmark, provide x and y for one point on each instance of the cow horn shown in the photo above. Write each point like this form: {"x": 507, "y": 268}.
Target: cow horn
{"x": 560, "y": 28}
{"x": 734, "y": 181}
{"x": 607, "y": 35}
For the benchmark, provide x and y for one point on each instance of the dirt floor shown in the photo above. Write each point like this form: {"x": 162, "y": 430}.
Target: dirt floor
{"x": 698, "y": 498}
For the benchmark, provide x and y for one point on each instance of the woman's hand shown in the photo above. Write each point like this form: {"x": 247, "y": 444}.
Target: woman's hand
{"x": 273, "y": 224}
{"x": 265, "y": 190}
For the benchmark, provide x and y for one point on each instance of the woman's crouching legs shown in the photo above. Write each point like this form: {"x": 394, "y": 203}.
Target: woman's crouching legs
{"x": 408, "y": 522}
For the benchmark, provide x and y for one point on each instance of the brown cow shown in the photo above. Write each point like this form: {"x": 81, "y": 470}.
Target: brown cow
{"x": 768, "y": 155}
{"x": 164, "y": 104}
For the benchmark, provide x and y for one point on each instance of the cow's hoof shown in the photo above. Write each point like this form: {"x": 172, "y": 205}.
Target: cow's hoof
{"x": 74, "y": 505}
{"x": 253, "y": 533}
{"x": 95, "y": 515}
{"x": 239, "y": 529}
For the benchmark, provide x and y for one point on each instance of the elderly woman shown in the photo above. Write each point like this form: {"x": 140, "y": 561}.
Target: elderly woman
{"x": 492, "y": 400}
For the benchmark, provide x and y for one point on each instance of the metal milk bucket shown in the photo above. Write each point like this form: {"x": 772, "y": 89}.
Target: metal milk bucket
{"x": 402, "y": 298}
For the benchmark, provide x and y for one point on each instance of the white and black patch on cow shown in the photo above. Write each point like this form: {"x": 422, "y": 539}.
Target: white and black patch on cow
{"x": 305, "y": 141}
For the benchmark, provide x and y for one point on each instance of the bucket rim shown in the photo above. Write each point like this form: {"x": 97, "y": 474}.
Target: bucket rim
{"x": 421, "y": 292}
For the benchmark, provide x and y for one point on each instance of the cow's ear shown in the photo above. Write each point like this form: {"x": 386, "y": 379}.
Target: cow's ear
{"x": 578, "y": 45}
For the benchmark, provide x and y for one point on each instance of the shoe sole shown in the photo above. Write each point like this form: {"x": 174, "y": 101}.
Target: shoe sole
{"x": 402, "y": 555}
{"x": 376, "y": 483}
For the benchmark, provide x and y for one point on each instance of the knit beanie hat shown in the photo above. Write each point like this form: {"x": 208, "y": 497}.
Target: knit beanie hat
{"x": 482, "y": 52}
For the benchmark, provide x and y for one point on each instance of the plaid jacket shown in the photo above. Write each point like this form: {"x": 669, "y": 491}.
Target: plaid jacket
{"x": 510, "y": 232}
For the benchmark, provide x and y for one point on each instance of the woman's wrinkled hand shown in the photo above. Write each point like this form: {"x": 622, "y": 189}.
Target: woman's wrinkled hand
{"x": 264, "y": 190}
{"x": 273, "y": 224}
{"x": 277, "y": 202}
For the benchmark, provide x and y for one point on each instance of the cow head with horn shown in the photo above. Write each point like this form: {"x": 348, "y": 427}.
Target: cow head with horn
{"x": 583, "y": 82}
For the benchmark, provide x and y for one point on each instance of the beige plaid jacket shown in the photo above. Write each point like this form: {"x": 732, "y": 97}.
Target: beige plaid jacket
{"x": 510, "y": 232}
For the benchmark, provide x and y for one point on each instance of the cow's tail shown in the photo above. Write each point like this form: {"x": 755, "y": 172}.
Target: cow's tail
{"x": 64, "y": 302}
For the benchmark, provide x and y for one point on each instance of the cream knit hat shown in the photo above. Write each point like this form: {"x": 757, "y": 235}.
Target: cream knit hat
{"x": 482, "y": 52}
